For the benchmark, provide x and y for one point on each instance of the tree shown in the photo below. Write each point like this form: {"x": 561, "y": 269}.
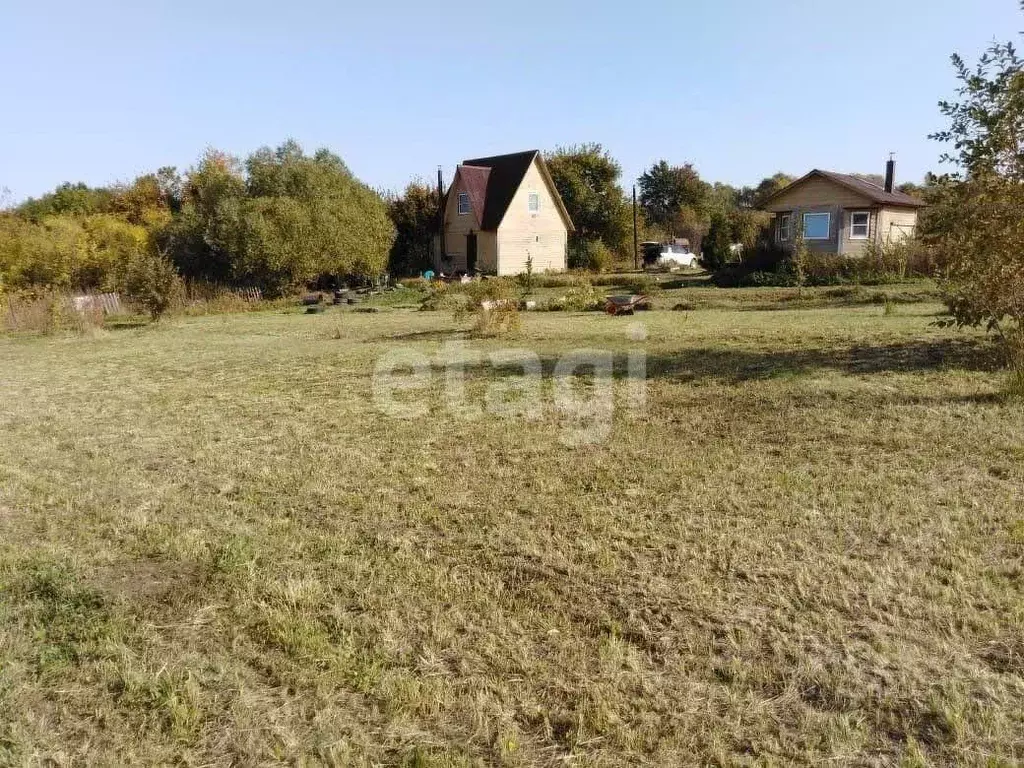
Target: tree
{"x": 754, "y": 197}
{"x": 717, "y": 245}
{"x": 142, "y": 202}
{"x": 281, "y": 220}
{"x": 587, "y": 178}
{"x": 415, "y": 216}
{"x": 149, "y": 281}
{"x": 975, "y": 222}
{"x": 77, "y": 199}
{"x": 666, "y": 190}
{"x": 306, "y": 217}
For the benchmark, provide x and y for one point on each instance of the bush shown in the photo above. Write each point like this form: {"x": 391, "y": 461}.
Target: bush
{"x": 772, "y": 265}
{"x": 561, "y": 281}
{"x": 640, "y": 284}
{"x": 444, "y": 297}
{"x": 766, "y": 256}
{"x": 582, "y": 299}
{"x": 494, "y": 304}
{"x": 591, "y": 254}
{"x": 718, "y": 243}
{"x": 150, "y": 283}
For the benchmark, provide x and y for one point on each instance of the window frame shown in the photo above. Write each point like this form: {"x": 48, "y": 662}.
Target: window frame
{"x": 530, "y": 199}
{"x": 828, "y": 228}
{"x": 785, "y": 227}
{"x": 468, "y": 209}
{"x": 853, "y": 226}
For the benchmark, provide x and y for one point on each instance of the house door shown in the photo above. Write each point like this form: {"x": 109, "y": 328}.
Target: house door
{"x": 471, "y": 252}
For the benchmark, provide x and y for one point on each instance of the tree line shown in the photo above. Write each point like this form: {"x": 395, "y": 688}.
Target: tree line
{"x": 279, "y": 219}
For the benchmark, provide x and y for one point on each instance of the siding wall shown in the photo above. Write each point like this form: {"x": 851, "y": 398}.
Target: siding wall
{"x": 522, "y": 234}
{"x": 456, "y": 229}
{"x": 897, "y": 224}
{"x": 819, "y": 192}
{"x": 847, "y": 245}
{"x": 831, "y": 245}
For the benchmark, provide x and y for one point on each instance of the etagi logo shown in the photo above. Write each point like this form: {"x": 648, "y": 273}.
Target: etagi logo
{"x": 582, "y": 392}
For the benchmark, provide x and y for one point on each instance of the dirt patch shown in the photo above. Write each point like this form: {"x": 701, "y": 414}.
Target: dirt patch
{"x": 149, "y": 581}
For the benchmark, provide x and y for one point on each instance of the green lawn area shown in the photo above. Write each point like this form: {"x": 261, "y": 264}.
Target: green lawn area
{"x": 215, "y": 550}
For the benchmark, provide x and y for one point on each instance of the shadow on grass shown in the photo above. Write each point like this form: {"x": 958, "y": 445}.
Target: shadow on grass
{"x": 740, "y": 365}
{"x": 907, "y": 357}
{"x": 125, "y": 323}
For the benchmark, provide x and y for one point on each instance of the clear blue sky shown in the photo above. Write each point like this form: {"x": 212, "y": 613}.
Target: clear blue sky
{"x": 101, "y": 91}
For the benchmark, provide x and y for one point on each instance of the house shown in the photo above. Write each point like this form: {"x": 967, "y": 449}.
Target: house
{"x": 501, "y": 211}
{"x": 843, "y": 214}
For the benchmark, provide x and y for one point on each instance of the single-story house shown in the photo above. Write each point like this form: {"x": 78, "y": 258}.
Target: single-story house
{"x": 842, "y": 214}
{"x": 501, "y": 211}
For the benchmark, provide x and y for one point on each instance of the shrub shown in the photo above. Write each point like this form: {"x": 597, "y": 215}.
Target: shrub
{"x": 560, "y": 281}
{"x": 583, "y": 299}
{"x": 444, "y": 297}
{"x": 493, "y": 303}
{"x": 640, "y": 284}
{"x": 150, "y": 282}
{"x": 766, "y": 256}
{"x": 772, "y": 265}
{"x": 591, "y": 254}
{"x": 718, "y": 243}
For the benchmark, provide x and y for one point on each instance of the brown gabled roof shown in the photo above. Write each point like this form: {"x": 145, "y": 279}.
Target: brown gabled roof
{"x": 501, "y": 176}
{"x": 870, "y": 190}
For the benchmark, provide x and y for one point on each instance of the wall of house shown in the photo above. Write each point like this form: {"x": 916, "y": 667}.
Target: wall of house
{"x": 457, "y": 227}
{"x": 819, "y": 192}
{"x": 522, "y": 234}
{"x": 847, "y": 245}
{"x": 832, "y": 244}
{"x": 896, "y": 224}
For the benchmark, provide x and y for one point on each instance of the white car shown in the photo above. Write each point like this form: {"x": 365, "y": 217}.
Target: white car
{"x": 675, "y": 257}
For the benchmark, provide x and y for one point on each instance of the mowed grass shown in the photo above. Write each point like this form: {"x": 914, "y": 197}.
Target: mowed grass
{"x": 215, "y": 550}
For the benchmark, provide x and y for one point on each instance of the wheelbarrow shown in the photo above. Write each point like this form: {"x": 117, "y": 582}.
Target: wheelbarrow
{"x": 625, "y": 305}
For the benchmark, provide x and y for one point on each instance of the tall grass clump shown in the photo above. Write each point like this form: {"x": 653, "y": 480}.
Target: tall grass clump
{"x": 47, "y": 311}
{"x": 493, "y": 304}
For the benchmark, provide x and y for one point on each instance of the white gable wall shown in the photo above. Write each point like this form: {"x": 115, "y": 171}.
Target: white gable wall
{"x": 522, "y": 234}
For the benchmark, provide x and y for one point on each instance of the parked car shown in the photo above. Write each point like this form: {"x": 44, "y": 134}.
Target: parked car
{"x": 675, "y": 257}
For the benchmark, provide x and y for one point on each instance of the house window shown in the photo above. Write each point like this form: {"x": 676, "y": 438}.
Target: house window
{"x": 784, "y": 224}
{"x": 860, "y": 225}
{"x": 534, "y": 202}
{"x": 817, "y": 226}
{"x": 463, "y": 203}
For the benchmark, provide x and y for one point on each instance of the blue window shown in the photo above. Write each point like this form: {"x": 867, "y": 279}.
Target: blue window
{"x": 817, "y": 226}
{"x": 463, "y": 203}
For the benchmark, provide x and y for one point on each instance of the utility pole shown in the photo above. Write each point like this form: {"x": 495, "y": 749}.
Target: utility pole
{"x": 440, "y": 217}
{"x": 636, "y": 236}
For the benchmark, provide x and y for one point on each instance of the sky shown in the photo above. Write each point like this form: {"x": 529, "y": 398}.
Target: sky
{"x": 101, "y": 92}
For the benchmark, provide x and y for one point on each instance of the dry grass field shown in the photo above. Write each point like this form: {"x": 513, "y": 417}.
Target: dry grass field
{"x": 215, "y": 550}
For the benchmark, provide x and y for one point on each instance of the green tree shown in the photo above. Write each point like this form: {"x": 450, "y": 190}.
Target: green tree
{"x": 415, "y": 216}
{"x": 975, "y": 221}
{"x": 587, "y": 178}
{"x": 717, "y": 245}
{"x": 77, "y": 199}
{"x": 754, "y": 197}
{"x": 676, "y": 199}
{"x": 665, "y": 190}
{"x": 150, "y": 282}
{"x": 306, "y": 217}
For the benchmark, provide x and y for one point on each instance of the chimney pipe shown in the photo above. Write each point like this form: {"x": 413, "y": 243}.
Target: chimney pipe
{"x": 440, "y": 216}
{"x": 890, "y": 172}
